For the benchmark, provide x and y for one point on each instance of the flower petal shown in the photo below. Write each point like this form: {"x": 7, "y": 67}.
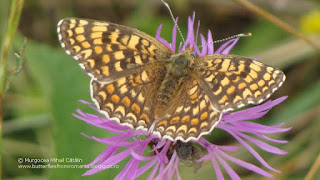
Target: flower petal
{"x": 163, "y": 41}
{"x": 244, "y": 164}
{"x": 140, "y": 157}
{"x": 210, "y": 43}
{"x": 223, "y": 46}
{"x": 262, "y": 145}
{"x": 174, "y": 36}
{"x": 103, "y": 156}
{"x": 216, "y": 168}
{"x": 252, "y": 151}
{"x": 154, "y": 171}
{"x": 204, "y": 46}
{"x": 228, "y": 48}
{"x": 233, "y": 175}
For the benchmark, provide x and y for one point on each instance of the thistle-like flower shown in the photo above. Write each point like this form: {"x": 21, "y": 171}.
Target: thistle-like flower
{"x": 165, "y": 155}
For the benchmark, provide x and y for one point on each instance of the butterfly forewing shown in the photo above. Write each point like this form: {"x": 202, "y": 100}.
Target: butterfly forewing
{"x": 233, "y": 81}
{"x": 108, "y": 51}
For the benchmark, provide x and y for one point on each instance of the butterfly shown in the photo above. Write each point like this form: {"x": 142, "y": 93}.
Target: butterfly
{"x": 139, "y": 82}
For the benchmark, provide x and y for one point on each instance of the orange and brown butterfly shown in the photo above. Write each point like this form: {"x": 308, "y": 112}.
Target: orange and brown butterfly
{"x": 139, "y": 82}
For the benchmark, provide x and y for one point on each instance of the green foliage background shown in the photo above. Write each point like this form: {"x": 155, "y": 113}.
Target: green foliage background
{"x": 41, "y": 98}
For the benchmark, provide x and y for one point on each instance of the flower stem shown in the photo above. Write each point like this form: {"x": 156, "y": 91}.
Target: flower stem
{"x": 314, "y": 168}
{"x": 14, "y": 16}
{"x": 277, "y": 22}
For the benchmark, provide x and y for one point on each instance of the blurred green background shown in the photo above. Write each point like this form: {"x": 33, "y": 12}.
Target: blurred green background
{"x": 41, "y": 98}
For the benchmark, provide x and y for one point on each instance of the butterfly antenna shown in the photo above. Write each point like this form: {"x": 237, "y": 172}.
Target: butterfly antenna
{"x": 173, "y": 19}
{"x": 228, "y": 38}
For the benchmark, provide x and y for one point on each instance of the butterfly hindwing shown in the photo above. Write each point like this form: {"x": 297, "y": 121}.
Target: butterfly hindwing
{"x": 107, "y": 51}
{"x": 129, "y": 100}
{"x": 189, "y": 115}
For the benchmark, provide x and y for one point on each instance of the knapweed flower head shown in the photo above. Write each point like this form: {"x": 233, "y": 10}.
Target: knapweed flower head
{"x": 163, "y": 157}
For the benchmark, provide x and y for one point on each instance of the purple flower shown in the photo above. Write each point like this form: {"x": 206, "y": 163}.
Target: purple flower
{"x": 164, "y": 159}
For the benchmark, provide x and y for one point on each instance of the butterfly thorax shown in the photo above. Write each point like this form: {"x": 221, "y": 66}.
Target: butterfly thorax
{"x": 176, "y": 71}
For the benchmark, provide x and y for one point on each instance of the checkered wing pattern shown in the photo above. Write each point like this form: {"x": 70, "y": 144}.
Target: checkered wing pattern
{"x": 232, "y": 82}
{"x": 137, "y": 81}
{"x": 189, "y": 115}
{"x": 107, "y": 51}
{"x": 129, "y": 100}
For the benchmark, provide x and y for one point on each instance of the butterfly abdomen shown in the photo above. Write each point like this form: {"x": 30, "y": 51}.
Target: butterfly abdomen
{"x": 167, "y": 88}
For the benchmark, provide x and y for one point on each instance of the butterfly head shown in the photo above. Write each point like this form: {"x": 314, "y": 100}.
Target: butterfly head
{"x": 180, "y": 62}
{"x": 184, "y": 59}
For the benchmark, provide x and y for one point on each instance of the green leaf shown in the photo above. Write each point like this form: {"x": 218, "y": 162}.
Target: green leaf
{"x": 264, "y": 35}
{"x": 300, "y": 103}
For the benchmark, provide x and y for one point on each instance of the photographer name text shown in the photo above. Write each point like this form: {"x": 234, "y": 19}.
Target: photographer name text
{"x": 50, "y": 160}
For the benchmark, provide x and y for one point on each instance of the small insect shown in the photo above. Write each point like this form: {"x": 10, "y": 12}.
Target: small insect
{"x": 189, "y": 154}
{"x": 139, "y": 82}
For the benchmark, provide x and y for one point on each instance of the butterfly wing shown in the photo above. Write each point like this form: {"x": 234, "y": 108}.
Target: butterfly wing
{"x": 129, "y": 100}
{"x": 189, "y": 114}
{"x": 107, "y": 51}
{"x": 233, "y": 81}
